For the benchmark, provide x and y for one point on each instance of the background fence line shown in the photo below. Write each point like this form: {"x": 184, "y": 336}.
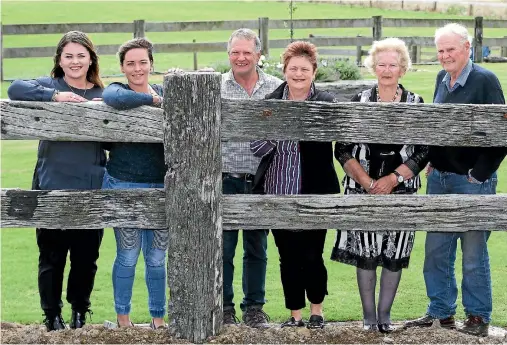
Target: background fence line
{"x": 139, "y": 28}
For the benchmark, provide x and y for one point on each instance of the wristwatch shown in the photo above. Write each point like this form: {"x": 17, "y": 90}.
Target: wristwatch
{"x": 399, "y": 177}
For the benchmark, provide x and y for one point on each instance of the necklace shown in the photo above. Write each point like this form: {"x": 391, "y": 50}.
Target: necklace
{"x": 73, "y": 91}
{"x": 394, "y": 98}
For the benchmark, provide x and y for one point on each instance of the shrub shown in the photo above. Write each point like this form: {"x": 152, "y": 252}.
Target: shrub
{"x": 221, "y": 66}
{"x": 347, "y": 70}
{"x": 329, "y": 69}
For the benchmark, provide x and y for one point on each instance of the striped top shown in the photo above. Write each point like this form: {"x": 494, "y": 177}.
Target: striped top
{"x": 284, "y": 174}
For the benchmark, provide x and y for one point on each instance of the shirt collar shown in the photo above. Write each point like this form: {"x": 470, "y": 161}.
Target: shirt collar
{"x": 262, "y": 77}
{"x": 462, "y": 79}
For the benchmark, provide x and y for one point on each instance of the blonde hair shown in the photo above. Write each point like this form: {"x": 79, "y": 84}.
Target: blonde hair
{"x": 389, "y": 44}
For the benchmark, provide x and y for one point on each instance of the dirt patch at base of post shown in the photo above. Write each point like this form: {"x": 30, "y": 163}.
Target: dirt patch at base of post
{"x": 333, "y": 333}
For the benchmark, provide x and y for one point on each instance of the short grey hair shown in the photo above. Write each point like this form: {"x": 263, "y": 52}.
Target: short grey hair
{"x": 245, "y": 34}
{"x": 389, "y": 44}
{"x": 453, "y": 29}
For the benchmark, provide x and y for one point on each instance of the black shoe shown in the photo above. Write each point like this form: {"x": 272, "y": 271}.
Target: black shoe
{"x": 385, "y": 328}
{"x": 292, "y": 322}
{"x": 255, "y": 317}
{"x": 54, "y": 323}
{"x": 316, "y": 321}
{"x": 78, "y": 318}
{"x": 427, "y": 321}
{"x": 475, "y": 325}
{"x": 370, "y": 328}
{"x": 230, "y": 317}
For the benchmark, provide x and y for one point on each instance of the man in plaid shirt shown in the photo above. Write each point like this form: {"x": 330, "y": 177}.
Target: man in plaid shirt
{"x": 245, "y": 81}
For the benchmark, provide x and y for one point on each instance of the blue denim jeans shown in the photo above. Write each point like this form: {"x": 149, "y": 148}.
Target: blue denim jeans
{"x": 129, "y": 243}
{"x": 440, "y": 256}
{"x": 254, "y": 255}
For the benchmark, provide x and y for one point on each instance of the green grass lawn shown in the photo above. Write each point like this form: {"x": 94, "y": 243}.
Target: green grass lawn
{"x": 19, "y": 296}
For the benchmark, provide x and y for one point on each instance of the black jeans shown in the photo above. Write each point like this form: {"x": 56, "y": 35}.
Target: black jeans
{"x": 302, "y": 267}
{"x": 54, "y": 245}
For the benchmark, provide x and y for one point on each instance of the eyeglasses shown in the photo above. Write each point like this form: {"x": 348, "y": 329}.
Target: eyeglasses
{"x": 386, "y": 66}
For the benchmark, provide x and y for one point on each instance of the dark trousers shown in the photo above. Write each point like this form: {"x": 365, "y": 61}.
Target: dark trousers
{"x": 302, "y": 267}
{"x": 84, "y": 251}
{"x": 254, "y": 254}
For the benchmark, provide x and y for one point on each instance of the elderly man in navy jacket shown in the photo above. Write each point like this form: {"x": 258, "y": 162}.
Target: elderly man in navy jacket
{"x": 460, "y": 170}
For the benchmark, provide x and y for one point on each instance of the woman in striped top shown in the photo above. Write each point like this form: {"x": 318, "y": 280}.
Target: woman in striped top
{"x": 292, "y": 167}
{"x": 380, "y": 169}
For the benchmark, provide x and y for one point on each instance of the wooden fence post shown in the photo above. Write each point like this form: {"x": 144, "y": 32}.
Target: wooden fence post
{"x": 478, "y": 40}
{"x": 193, "y": 185}
{"x": 1, "y": 53}
{"x": 377, "y": 28}
{"x": 139, "y": 28}
{"x": 503, "y": 50}
{"x": 359, "y": 54}
{"x": 195, "y": 57}
{"x": 264, "y": 35}
{"x": 415, "y": 54}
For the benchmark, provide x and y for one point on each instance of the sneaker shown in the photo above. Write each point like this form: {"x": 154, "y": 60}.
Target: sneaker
{"x": 427, "y": 321}
{"x": 54, "y": 323}
{"x": 475, "y": 325}
{"x": 255, "y": 317}
{"x": 78, "y": 319}
{"x": 315, "y": 321}
{"x": 230, "y": 317}
{"x": 292, "y": 322}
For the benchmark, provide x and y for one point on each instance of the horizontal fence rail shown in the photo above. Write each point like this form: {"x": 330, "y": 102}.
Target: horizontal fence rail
{"x": 245, "y": 120}
{"x": 144, "y": 208}
{"x": 44, "y": 29}
{"x": 209, "y": 47}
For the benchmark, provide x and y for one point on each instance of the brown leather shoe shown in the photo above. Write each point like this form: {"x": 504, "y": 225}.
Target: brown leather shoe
{"x": 475, "y": 325}
{"x": 427, "y": 321}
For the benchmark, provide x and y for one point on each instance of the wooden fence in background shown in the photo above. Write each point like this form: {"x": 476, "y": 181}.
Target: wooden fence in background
{"x": 140, "y": 27}
{"x": 194, "y": 122}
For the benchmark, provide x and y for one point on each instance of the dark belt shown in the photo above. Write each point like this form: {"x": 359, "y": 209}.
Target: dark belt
{"x": 246, "y": 177}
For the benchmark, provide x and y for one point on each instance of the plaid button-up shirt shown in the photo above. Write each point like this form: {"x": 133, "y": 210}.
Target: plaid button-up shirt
{"x": 236, "y": 156}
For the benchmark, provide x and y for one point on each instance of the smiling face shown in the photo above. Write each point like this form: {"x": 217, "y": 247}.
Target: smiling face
{"x": 136, "y": 67}
{"x": 299, "y": 73}
{"x": 75, "y": 61}
{"x": 452, "y": 54}
{"x": 387, "y": 68}
{"x": 242, "y": 57}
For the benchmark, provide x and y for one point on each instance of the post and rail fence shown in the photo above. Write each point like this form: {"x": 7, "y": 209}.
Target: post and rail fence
{"x": 139, "y": 28}
{"x": 192, "y": 125}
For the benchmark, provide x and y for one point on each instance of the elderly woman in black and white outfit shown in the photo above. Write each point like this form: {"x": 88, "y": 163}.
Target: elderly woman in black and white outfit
{"x": 380, "y": 169}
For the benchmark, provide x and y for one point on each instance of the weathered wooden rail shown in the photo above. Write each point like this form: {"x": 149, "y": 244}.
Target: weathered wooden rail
{"x": 192, "y": 125}
{"x": 140, "y": 27}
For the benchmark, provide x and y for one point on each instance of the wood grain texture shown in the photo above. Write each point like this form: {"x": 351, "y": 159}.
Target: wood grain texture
{"x": 83, "y": 209}
{"x": 436, "y": 124}
{"x": 145, "y": 208}
{"x": 244, "y": 120}
{"x": 90, "y": 121}
{"x": 193, "y": 186}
